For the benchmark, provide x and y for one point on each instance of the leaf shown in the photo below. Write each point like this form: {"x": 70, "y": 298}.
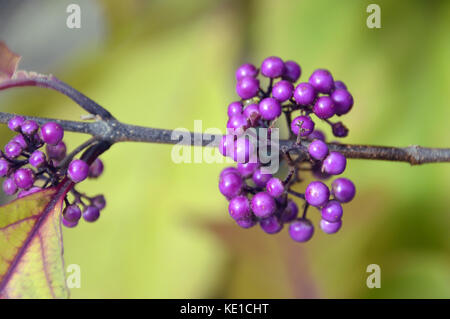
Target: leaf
{"x": 31, "y": 263}
{"x": 8, "y": 62}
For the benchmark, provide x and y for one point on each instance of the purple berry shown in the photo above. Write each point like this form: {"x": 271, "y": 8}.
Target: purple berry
{"x": 52, "y": 133}
{"x": 334, "y": 163}
{"x": 247, "y": 169}
{"x": 343, "y": 101}
{"x": 318, "y": 150}
{"x": 260, "y": 179}
{"x": 239, "y": 207}
{"x": 324, "y": 107}
{"x": 269, "y": 108}
{"x": 317, "y": 171}
{"x": 243, "y": 151}
{"x": 263, "y": 205}
{"x": 228, "y": 170}
{"x": 19, "y": 139}
{"x": 27, "y": 192}
{"x": 304, "y": 94}
{"x": 91, "y": 214}
{"x": 283, "y": 90}
{"x": 226, "y": 145}
{"x": 246, "y": 222}
{"x": 9, "y": 186}
{"x": 13, "y": 150}
{"x": 230, "y": 185}
{"x": 234, "y": 108}
{"x": 339, "y": 85}
{"x": 329, "y": 227}
{"x": 247, "y": 87}
{"x": 15, "y": 123}
{"x": 322, "y": 80}
{"x": 275, "y": 187}
{"x": 24, "y": 178}
{"x": 99, "y": 201}
{"x": 246, "y": 70}
{"x": 343, "y": 189}
{"x": 317, "y": 194}
{"x": 317, "y": 135}
{"x": 332, "y": 211}
{"x": 56, "y": 152}
{"x": 301, "y": 230}
{"x": 4, "y": 167}
{"x": 339, "y": 129}
{"x": 78, "y": 170}
{"x": 302, "y": 124}
{"x": 37, "y": 159}
{"x": 96, "y": 168}
{"x": 68, "y": 224}
{"x": 271, "y": 225}
{"x": 290, "y": 212}
{"x": 292, "y": 71}
{"x": 272, "y": 67}
{"x": 237, "y": 124}
{"x": 251, "y": 112}
{"x": 29, "y": 127}
{"x": 72, "y": 213}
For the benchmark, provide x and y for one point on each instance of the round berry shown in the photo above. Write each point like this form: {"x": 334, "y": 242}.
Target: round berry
{"x": 275, "y": 187}
{"x": 15, "y": 123}
{"x": 339, "y": 85}
{"x": 234, "y": 108}
{"x": 343, "y": 189}
{"x": 302, "y": 124}
{"x": 271, "y": 225}
{"x": 72, "y": 213}
{"x": 247, "y": 169}
{"x": 263, "y": 205}
{"x": 317, "y": 171}
{"x": 246, "y": 70}
{"x": 283, "y": 90}
{"x": 19, "y": 139}
{"x": 339, "y": 129}
{"x": 99, "y": 201}
{"x": 301, "y": 230}
{"x": 324, "y": 107}
{"x": 243, "y": 151}
{"x": 228, "y": 170}
{"x": 27, "y": 192}
{"x": 230, "y": 185}
{"x": 68, "y": 224}
{"x": 91, "y": 214}
{"x": 334, "y": 163}
{"x": 247, "y": 87}
{"x": 246, "y": 222}
{"x": 317, "y": 194}
{"x": 343, "y": 101}
{"x": 292, "y": 71}
{"x": 37, "y": 159}
{"x": 4, "y": 167}
{"x": 239, "y": 207}
{"x": 322, "y": 80}
{"x": 272, "y": 67}
{"x": 290, "y": 212}
{"x": 304, "y": 94}
{"x": 96, "y": 168}
{"x": 52, "y": 133}
{"x": 24, "y": 178}
{"x": 13, "y": 150}
{"x": 329, "y": 227}
{"x": 9, "y": 186}
{"x": 332, "y": 211}
{"x": 251, "y": 112}
{"x": 317, "y": 135}
{"x": 318, "y": 150}
{"x": 226, "y": 145}
{"x": 269, "y": 108}
{"x": 56, "y": 152}
{"x": 29, "y": 127}
{"x": 260, "y": 179}
{"x": 237, "y": 124}
{"x": 78, "y": 170}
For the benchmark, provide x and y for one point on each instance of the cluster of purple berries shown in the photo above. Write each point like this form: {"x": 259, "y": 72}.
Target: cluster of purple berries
{"x": 258, "y": 197}
{"x": 27, "y": 169}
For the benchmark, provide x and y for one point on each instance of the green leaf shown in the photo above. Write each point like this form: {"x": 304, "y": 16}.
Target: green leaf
{"x": 31, "y": 263}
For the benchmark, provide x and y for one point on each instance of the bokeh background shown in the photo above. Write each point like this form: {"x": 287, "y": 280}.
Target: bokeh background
{"x": 166, "y": 231}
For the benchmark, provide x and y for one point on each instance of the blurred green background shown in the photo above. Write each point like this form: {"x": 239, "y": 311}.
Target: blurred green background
{"x": 166, "y": 231}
